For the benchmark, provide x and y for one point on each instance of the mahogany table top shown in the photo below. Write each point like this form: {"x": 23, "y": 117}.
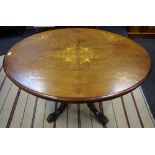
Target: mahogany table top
{"x": 77, "y": 65}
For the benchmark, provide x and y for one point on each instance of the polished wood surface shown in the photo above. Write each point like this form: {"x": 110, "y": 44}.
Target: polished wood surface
{"x": 77, "y": 65}
{"x": 141, "y": 31}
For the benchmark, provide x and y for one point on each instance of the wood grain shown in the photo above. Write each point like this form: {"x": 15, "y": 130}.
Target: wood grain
{"x": 77, "y": 65}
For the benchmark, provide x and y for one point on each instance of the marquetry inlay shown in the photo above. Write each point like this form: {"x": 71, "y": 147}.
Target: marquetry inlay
{"x": 77, "y": 55}
{"x": 77, "y": 65}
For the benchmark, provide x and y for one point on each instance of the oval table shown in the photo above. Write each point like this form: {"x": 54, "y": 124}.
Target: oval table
{"x": 77, "y": 65}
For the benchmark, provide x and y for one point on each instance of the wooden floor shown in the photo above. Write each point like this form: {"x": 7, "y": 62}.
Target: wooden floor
{"x": 19, "y": 109}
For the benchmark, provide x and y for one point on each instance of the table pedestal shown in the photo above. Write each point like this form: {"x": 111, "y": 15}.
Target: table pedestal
{"x": 99, "y": 116}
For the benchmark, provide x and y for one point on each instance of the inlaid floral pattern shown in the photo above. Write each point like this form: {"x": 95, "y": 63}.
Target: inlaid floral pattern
{"x": 77, "y": 55}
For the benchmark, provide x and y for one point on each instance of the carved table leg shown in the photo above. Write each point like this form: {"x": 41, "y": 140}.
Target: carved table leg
{"x": 53, "y": 116}
{"x": 101, "y": 118}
